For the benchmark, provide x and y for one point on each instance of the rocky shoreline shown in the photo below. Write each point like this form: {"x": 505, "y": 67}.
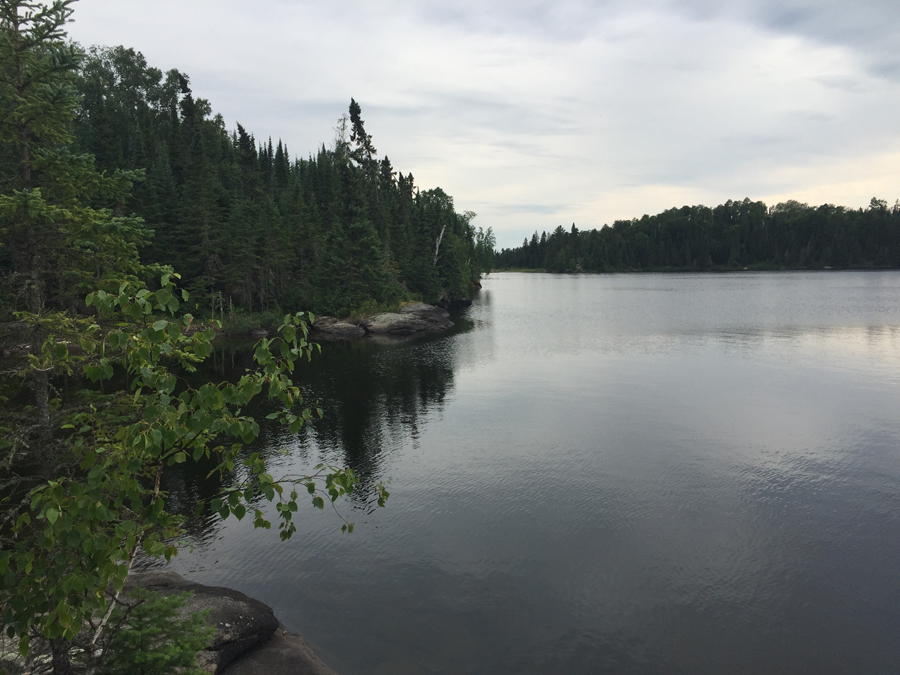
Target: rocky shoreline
{"x": 413, "y": 319}
{"x": 249, "y": 639}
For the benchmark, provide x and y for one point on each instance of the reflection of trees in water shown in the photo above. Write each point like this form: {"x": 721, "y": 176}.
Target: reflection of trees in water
{"x": 188, "y": 485}
{"x": 373, "y": 394}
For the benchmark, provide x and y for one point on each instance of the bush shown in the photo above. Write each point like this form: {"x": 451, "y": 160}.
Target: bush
{"x": 154, "y": 637}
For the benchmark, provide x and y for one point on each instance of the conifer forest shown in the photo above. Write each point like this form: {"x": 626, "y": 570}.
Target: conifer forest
{"x": 734, "y": 235}
{"x": 248, "y": 226}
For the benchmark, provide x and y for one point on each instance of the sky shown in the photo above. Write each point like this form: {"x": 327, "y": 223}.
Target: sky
{"x": 538, "y": 114}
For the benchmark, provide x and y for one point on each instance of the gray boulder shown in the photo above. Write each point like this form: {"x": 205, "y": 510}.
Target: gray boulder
{"x": 283, "y": 654}
{"x": 394, "y": 324}
{"x": 413, "y": 318}
{"x": 330, "y": 328}
{"x": 420, "y": 308}
{"x": 241, "y": 622}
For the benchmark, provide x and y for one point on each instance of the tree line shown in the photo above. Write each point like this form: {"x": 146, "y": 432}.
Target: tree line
{"x": 247, "y": 225}
{"x": 733, "y": 235}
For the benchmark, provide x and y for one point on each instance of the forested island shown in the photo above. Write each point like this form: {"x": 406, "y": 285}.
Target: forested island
{"x": 733, "y": 235}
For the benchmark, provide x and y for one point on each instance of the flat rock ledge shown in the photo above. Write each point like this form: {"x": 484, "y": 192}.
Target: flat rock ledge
{"x": 337, "y": 329}
{"x": 412, "y": 319}
{"x": 284, "y": 654}
{"x": 249, "y": 640}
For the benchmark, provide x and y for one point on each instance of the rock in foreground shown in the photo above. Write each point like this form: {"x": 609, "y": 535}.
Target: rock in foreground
{"x": 283, "y": 654}
{"x": 241, "y": 623}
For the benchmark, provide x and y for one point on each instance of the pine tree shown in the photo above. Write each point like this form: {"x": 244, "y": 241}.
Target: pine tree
{"x": 154, "y": 638}
{"x": 56, "y": 247}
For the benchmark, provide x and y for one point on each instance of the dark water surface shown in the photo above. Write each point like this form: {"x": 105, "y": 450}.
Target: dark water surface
{"x": 631, "y": 474}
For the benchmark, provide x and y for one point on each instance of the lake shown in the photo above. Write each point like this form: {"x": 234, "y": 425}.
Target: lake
{"x": 630, "y": 474}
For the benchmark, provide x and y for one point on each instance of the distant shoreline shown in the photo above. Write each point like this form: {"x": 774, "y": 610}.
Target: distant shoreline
{"x": 692, "y": 270}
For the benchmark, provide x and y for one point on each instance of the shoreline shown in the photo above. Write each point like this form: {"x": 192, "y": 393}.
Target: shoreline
{"x": 690, "y": 270}
{"x": 249, "y": 639}
{"x": 412, "y": 318}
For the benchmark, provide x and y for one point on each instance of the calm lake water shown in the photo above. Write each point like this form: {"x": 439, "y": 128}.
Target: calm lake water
{"x": 629, "y": 474}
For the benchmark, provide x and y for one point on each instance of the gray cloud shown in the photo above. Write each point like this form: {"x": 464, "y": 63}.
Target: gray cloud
{"x": 869, "y": 27}
{"x": 542, "y": 209}
{"x": 536, "y": 112}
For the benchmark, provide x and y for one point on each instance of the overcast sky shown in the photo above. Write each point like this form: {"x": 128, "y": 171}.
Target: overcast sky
{"x": 536, "y": 114}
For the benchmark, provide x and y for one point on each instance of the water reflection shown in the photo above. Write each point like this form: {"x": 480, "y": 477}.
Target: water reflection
{"x": 637, "y": 474}
{"x": 375, "y": 395}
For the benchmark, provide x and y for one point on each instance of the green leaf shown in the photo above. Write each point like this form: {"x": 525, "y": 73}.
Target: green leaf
{"x": 160, "y": 325}
{"x": 52, "y": 515}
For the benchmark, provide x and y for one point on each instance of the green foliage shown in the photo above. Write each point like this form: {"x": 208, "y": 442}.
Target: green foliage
{"x": 77, "y": 535}
{"x": 36, "y": 66}
{"x": 153, "y": 638}
{"x": 56, "y": 245}
{"x": 72, "y": 525}
{"x": 335, "y": 232}
{"x": 240, "y": 322}
{"x": 733, "y": 235}
{"x": 483, "y": 256}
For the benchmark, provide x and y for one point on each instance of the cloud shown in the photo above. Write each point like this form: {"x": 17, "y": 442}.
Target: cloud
{"x": 535, "y": 114}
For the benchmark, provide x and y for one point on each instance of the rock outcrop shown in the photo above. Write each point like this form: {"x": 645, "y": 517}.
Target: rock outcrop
{"x": 414, "y": 318}
{"x": 242, "y": 623}
{"x": 328, "y": 327}
{"x": 283, "y": 654}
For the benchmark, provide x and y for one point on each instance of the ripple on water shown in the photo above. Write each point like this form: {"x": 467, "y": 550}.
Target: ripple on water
{"x": 641, "y": 474}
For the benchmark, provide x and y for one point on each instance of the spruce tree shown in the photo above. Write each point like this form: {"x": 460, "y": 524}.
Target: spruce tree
{"x": 153, "y": 637}
{"x": 56, "y": 247}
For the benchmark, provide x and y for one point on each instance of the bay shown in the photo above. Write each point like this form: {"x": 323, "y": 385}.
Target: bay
{"x": 640, "y": 473}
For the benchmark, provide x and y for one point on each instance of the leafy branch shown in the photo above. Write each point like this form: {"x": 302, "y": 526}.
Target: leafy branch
{"x": 79, "y": 535}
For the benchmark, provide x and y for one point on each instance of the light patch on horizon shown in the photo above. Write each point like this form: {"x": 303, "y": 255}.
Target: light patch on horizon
{"x": 545, "y": 114}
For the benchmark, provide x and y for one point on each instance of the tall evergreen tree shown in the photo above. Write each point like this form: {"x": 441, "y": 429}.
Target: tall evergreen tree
{"x": 335, "y": 232}
{"x": 56, "y": 247}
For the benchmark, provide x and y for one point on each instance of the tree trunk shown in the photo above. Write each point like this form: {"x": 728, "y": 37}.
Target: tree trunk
{"x": 62, "y": 660}
{"x": 40, "y": 381}
{"x": 437, "y": 245}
